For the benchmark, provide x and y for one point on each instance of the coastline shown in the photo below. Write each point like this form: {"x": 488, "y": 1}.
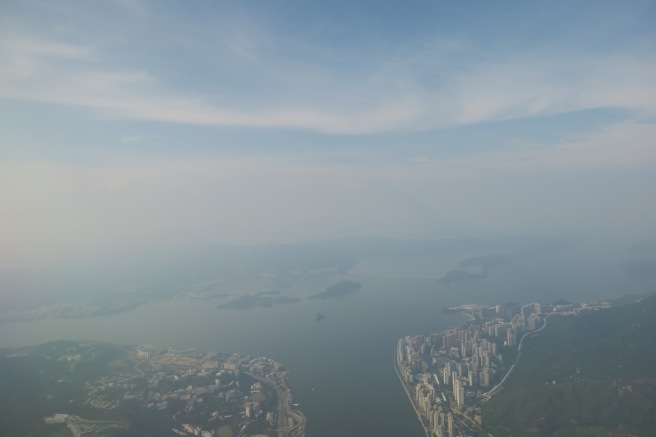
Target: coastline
{"x": 414, "y": 407}
{"x": 291, "y": 422}
{"x": 467, "y": 348}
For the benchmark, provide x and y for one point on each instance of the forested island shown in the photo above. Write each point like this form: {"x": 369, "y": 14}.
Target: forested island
{"x": 340, "y": 289}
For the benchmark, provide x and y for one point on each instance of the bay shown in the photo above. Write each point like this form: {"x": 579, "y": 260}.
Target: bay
{"x": 341, "y": 368}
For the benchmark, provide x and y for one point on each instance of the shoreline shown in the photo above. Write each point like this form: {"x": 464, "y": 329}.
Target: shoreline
{"x": 405, "y": 388}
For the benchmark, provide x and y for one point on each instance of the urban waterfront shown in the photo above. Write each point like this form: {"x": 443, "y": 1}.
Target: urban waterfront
{"x": 448, "y": 375}
{"x": 340, "y": 368}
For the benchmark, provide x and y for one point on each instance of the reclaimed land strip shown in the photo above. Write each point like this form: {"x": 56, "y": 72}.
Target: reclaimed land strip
{"x": 407, "y": 392}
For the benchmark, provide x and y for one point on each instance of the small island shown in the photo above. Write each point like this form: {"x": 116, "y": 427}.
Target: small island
{"x": 260, "y": 300}
{"x": 340, "y": 289}
{"x": 461, "y": 275}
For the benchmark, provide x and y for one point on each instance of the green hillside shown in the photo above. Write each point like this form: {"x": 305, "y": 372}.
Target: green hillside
{"x": 589, "y": 375}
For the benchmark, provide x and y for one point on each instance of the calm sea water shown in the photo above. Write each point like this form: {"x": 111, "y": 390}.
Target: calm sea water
{"x": 341, "y": 368}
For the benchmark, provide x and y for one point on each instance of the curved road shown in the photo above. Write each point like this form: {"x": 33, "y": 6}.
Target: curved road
{"x": 498, "y": 387}
{"x": 289, "y": 421}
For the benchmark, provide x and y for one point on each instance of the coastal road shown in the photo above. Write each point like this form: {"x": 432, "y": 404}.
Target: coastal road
{"x": 288, "y": 422}
{"x": 412, "y": 402}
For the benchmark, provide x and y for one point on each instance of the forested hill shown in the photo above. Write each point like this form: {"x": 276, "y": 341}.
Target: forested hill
{"x": 587, "y": 375}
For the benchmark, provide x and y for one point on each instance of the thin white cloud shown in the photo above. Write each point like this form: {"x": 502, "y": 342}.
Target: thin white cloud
{"x": 129, "y": 139}
{"x": 529, "y": 87}
{"x": 37, "y": 47}
{"x": 623, "y": 145}
{"x": 26, "y": 58}
{"x": 391, "y": 96}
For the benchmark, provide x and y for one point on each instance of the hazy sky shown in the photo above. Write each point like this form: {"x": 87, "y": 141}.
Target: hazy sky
{"x": 159, "y": 123}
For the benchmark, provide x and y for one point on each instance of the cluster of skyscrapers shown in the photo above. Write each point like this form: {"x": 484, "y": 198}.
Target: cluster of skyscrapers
{"x": 447, "y": 370}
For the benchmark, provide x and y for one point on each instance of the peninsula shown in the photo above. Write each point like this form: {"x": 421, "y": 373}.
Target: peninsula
{"x": 449, "y": 375}
{"x": 111, "y": 390}
{"x": 588, "y": 375}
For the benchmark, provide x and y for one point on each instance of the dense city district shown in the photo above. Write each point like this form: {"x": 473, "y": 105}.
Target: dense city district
{"x": 106, "y": 389}
{"x": 448, "y": 375}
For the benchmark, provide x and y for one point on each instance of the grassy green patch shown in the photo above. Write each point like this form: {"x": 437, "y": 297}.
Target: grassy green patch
{"x": 258, "y": 397}
{"x": 224, "y": 431}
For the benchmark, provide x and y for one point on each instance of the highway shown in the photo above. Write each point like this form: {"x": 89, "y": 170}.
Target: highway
{"x": 289, "y": 423}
